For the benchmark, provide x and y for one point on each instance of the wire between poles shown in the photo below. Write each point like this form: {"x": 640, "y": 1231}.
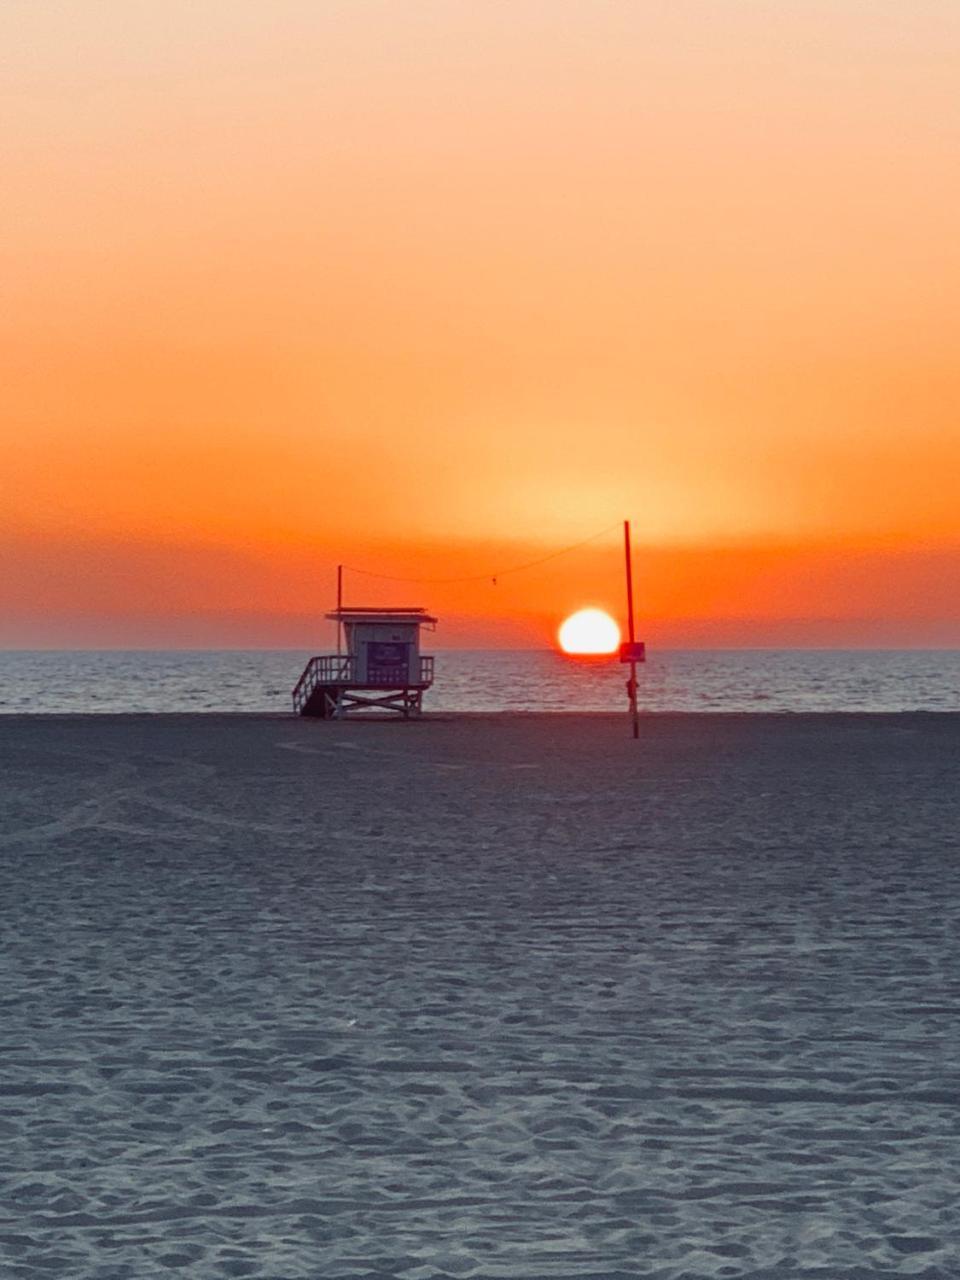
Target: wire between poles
{"x": 486, "y": 577}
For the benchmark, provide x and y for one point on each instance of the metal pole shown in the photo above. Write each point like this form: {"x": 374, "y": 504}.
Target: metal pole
{"x": 632, "y": 682}
{"x": 339, "y": 606}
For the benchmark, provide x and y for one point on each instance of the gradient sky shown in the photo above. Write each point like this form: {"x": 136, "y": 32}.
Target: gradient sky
{"x": 435, "y": 288}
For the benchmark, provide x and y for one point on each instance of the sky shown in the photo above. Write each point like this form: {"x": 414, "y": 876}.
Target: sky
{"x": 435, "y": 289}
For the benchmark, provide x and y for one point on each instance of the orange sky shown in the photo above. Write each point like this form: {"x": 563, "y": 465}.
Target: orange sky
{"x": 436, "y": 288}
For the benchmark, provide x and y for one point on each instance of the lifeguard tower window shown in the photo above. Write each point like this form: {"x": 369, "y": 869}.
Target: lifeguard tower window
{"x": 387, "y": 656}
{"x": 381, "y": 670}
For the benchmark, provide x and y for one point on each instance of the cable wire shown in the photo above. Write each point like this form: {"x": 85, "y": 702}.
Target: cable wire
{"x": 486, "y": 577}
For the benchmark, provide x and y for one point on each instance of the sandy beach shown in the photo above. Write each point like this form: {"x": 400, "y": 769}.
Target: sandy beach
{"x": 480, "y": 997}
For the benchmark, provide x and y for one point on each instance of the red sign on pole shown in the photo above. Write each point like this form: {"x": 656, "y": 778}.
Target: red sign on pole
{"x": 633, "y": 651}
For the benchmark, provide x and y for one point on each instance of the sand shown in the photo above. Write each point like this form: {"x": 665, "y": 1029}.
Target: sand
{"x": 480, "y": 997}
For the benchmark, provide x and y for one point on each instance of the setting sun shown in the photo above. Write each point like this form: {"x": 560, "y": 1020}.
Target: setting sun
{"x": 589, "y": 631}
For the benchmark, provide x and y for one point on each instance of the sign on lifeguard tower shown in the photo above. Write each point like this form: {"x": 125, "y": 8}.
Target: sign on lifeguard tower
{"x": 382, "y": 669}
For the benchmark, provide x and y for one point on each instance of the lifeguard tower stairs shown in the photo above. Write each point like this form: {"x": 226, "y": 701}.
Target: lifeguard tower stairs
{"x": 382, "y": 669}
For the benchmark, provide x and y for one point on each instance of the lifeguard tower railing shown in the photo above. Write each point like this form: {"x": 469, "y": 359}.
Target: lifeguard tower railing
{"x": 331, "y": 676}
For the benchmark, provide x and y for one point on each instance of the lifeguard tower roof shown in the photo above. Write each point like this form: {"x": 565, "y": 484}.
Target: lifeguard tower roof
{"x": 395, "y": 616}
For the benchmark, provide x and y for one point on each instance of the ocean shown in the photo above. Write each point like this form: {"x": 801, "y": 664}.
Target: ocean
{"x": 792, "y": 680}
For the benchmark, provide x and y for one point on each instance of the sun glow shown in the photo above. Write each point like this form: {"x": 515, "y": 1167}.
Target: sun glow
{"x": 589, "y": 631}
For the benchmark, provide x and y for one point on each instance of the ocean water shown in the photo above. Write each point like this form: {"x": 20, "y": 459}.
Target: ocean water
{"x": 494, "y": 680}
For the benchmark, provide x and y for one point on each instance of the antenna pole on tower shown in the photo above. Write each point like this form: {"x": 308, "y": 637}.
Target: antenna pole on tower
{"x": 339, "y": 607}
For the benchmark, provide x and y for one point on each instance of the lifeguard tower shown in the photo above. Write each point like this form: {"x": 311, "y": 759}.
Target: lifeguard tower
{"x": 382, "y": 668}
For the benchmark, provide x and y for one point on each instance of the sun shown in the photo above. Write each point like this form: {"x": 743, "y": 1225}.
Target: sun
{"x": 589, "y": 631}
